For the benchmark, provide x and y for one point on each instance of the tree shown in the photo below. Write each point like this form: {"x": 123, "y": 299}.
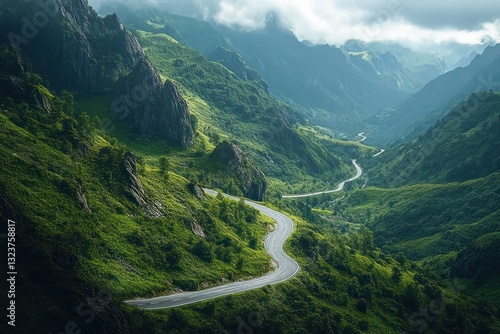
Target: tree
{"x": 397, "y": 275}
{"x": 362, "y": 305}
{"x": 164, "y": 165}
{"x": 203, "y": 251}
{"x": 174, "y": 258}
{"x": 253, "y": 242}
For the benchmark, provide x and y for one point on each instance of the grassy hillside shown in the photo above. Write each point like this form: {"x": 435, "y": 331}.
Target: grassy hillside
{"x": 346, "y": 285}
{"x": 75, "y": 191}
{"x": 431, "y": 224}
{"x": 292, "y": 154}
{"x": 103, "y": 216}
{"x": 463, "y": 145}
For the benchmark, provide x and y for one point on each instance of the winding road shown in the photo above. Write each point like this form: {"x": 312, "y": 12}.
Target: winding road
{"x": 379, "y": 153}
{"x": 286, "y": 267}
{"x": 363, "y": 137}
{"x": 341, "y": 185}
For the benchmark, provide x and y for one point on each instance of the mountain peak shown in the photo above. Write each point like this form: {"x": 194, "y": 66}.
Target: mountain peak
{"x": 152, "y": 108}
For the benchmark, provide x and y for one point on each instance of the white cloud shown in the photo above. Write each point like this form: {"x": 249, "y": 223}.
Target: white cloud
{"x": 409, "y": 22}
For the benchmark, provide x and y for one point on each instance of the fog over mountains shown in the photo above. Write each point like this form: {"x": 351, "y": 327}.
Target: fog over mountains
{"x": 133, "y": 141}
{"x": 432, "y": 26}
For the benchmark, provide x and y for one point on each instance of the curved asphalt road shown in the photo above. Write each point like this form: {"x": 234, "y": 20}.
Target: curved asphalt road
{"x": 286, "y": 267}
{"x": 363, "y": 137}
{"x": 379, "y": 153}
{"x": 359, "y": 171}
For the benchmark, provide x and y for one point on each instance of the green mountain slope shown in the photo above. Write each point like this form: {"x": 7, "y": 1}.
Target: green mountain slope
{"x": 432, "y": 224}
{"x": 106, "y": 213}
{"x": 438, "y": 97}
{"x": 96, "y": 214}
{"x": 463, "y": 145}
{"x": 226, "y": 107}
{"x": 334, "y": 87}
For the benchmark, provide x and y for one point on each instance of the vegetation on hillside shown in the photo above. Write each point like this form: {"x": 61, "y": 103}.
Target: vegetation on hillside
{"x": 99, "y": 209}
{"x": 464, "y": 145}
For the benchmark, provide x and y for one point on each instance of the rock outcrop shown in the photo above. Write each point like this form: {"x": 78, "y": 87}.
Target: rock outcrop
{"x": 234, "y": 62}
{"x": 151, "y": 108}
{"x": 250, "y": 180}
{"x": 17, "y": 82}
{"x": 129, "y": 167}
{"x": 69, "y": 44}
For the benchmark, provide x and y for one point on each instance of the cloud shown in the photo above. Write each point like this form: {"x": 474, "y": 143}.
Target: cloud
{"x": 410, "y": 22}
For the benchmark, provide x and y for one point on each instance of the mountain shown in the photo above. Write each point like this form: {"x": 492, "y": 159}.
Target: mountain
{"x": 461, "y": 146}
{"x": 72, "y": 47}
{"x": 439, "y": 225}
{"x": 420, "y": 67}
{"x": 107, "y": 205}
{"x": 443, "y": 205}
{"x": 233, "y": 61}
{"x": 82, "y": 201}
{"x": 438, "y": 97}
{"x": 465, "y": 61}
{"x": 152, "y": 108}
{"x": 339, "y": 88}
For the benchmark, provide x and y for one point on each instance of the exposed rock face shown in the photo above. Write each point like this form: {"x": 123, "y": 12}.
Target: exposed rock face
{"x": 74, "y": 189}
{"x": 197, "y": 229}
{"x": 235, "y": 63}
{"x": 286, "y": 141}
{"x": 251, "y": 180}
{"x": 151, "y": 108}
{"x": 69, "y": 44}
{"x": 15, "y": 82}
{"x": 196, "y": 190}
{"x": 129, "y": 166}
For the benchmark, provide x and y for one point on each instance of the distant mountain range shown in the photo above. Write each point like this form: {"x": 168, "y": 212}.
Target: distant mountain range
{"x": 438, "y": 97}
{"x": 108, "y": 136}
{"x": 338, "y": 88}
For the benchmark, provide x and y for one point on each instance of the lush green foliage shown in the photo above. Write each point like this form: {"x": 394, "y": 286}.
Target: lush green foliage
{"x": 463, "y": 145}
{"x": 84, "y": 229}
{"x": 346, "y": 285}
{"x": 444, "y": 216}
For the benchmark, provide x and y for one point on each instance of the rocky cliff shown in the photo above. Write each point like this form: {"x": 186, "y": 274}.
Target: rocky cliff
{"x": 151, "y": 108}
{"x": 129, "y": 169}
{"x": 17, "y": 82}
{"x": 69, "y": 44}
{"x": 250, "y": 180}
{"x": 234, "y": 62}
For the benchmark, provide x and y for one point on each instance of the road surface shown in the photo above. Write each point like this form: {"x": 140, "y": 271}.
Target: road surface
{"x": 341, "y": 185}
{"x": 379, "y": 153}
{"x": 286, "y": 267}
{"x": 363, "y": 137}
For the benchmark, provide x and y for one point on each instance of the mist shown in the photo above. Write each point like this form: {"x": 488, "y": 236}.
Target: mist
{"x": 425, "y": 25}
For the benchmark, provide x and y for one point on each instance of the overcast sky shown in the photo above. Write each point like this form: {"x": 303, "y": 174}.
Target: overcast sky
{"x": 416, "y": 23}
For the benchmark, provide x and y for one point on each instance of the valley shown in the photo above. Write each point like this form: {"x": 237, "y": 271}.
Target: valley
{"x": 340, "y": 187}
{"x": 172, "y": 174}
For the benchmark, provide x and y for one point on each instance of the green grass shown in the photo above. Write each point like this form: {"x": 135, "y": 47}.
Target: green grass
{"x": 101, "y": 240}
